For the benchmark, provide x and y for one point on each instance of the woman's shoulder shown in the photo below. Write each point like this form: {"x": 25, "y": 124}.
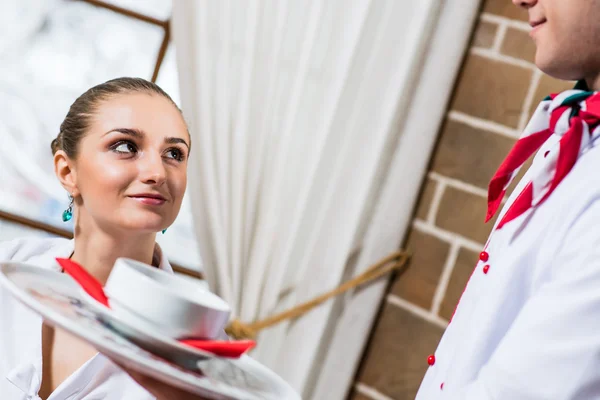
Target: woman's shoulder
{"x": 23, "y": 249}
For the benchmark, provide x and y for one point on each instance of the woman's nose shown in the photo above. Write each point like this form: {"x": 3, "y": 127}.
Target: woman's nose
{"x": 152, "y": 169}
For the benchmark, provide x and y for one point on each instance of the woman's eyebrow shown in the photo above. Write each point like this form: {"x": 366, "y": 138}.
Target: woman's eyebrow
{"x": 138, "y": 133}
{"x": 173, "y": 140}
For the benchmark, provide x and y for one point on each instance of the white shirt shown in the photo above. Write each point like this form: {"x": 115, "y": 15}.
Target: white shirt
{"x": 21, "y": 340}
{"x": 530, "y": 328}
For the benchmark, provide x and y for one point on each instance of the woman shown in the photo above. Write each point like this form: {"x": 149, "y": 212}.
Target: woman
{"x": 121, "y": 154}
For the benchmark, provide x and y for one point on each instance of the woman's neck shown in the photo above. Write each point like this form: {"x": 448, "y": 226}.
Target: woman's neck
{"x": 97, "y": 251}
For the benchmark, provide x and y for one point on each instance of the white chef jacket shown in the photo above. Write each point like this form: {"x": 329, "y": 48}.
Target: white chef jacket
{"x": 529, "y": 328}
{"x": 21, "y": 339}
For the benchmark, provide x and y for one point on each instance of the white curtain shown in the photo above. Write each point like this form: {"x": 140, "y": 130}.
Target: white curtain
{"x": 293, "y": 108}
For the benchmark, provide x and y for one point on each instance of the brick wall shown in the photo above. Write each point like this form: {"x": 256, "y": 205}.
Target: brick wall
{"x": 497, "y": 91}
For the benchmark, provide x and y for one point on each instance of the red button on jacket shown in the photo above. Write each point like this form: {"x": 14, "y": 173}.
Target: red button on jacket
{"x": 431, "y": 360}
{"x": 484, "y": 256}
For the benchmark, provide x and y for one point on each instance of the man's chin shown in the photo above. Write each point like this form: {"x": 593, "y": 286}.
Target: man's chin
{"x": 557, "y": 67}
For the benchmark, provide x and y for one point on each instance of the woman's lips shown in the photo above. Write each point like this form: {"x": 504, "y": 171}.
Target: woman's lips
{"x": 150, "y": 201}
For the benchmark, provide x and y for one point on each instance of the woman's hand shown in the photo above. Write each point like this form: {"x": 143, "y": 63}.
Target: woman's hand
{"x": 159, "y": 389}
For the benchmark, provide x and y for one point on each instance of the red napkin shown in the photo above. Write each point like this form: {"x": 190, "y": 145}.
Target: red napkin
{"x": 90, "y": 284}
{"x": 221, "y": 348}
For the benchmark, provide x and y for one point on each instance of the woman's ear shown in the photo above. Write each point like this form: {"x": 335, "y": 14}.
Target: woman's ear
{"x": 65, "y": 172}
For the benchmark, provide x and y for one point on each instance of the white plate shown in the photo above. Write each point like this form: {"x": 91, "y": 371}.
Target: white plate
{"x": 58, "y": 299}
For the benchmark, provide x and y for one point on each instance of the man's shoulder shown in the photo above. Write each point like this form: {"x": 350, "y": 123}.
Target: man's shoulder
{"x": 23, "y": 249}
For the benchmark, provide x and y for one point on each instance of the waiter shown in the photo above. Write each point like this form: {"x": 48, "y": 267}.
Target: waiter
{"x": 528, "y": 323}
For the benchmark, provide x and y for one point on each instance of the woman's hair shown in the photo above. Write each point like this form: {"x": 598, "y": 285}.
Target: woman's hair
{"x": 78, "y": 119}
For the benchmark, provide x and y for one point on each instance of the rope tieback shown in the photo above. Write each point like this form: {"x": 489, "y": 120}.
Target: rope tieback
{"x": 395, "y": 261}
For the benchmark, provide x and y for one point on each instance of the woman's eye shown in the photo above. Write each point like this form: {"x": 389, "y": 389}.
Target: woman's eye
{"x": 124, "y": 147}
{"x": 175, "y": 154}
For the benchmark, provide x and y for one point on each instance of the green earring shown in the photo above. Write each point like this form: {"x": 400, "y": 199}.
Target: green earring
{"x": 163, "y": 231}
{"x": 68, "y": 213}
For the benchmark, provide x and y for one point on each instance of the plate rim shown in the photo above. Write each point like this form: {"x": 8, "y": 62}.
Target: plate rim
{"x": 157, "y": 369}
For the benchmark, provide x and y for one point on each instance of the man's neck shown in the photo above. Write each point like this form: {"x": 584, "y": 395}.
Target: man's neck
{"x": 593, "y": 82}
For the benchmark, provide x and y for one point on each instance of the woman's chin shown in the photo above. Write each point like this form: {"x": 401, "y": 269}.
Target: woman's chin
{"x": 148, "y": 225}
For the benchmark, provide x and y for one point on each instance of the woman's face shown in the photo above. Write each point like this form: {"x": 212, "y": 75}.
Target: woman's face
{"x": 131, "y": 168}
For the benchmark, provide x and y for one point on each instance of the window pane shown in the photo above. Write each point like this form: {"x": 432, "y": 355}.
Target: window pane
{"x": 167, "y": 76}
{"x": 9, "y": 231}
